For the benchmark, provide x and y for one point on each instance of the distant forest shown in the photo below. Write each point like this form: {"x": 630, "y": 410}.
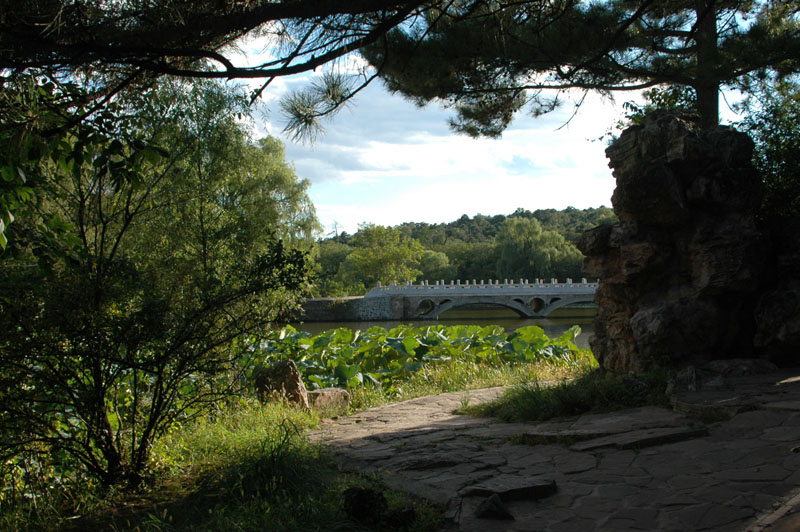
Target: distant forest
{"x": 525, "y": 244}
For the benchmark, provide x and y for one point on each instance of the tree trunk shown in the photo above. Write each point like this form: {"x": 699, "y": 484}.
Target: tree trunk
{"x": 707, "y": 85}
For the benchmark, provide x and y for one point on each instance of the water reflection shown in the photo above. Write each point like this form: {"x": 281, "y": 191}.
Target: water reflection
{"x": 553, "y": 326}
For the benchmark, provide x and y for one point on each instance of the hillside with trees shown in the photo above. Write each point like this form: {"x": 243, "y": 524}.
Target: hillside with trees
{"x": 524, "y": 244}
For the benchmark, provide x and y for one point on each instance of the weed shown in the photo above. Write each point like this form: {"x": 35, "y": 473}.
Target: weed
{"x": 593, "y": 391}
{"x": 462, "y": 376}
{"x": 464, "y": 403}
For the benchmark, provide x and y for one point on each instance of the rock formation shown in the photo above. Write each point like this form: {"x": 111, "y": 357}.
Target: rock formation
{"x": 283, "y": 379}
{"x": 777, "y": 312}
{"x": 680, "y": 271}
{"x": 329, "y": 401}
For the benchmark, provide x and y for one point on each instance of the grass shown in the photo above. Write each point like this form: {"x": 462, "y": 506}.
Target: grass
{"x": 467, "y": 375}
{"x": 245, "y": 468}
{"x": 249, "y": 467}
{"x": 592, "y": 391}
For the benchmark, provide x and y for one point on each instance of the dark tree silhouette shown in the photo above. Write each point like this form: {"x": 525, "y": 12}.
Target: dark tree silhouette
{"x": 490, "y": 59}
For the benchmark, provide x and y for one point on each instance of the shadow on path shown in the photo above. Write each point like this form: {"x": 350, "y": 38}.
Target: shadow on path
{"x": 726, "y": 461}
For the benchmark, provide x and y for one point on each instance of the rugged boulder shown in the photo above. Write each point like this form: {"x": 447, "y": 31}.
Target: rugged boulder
{"x": 282, "y": 379}
{"x": 680, "y": 273}
{"x": 329, "y": 401}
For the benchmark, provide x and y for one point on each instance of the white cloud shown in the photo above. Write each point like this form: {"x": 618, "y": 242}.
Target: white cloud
{"x": 385, "y": 161}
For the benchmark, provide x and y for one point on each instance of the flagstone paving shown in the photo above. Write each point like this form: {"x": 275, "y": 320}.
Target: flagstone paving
{"x": 724, "y": 459}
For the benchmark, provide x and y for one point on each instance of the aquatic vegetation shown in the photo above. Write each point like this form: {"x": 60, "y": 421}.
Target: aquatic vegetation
{"x": 381, "y": 358}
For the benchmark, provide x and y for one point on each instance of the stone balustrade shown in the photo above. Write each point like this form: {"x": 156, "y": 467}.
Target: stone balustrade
{"x": 492, "y": 286}
{"x": 424, "y": 300}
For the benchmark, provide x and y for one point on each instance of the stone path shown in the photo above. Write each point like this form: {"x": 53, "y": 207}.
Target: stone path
{"x": 641, "y": 469}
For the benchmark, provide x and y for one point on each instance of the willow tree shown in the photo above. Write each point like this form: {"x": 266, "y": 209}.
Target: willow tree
{"x": 526, "y": 249}
{"x": 491, "y": 59}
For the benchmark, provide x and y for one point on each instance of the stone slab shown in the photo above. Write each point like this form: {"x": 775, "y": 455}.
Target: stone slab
{"x": 493, "y": 508}
{"x": 784, "y": 405}
{"x": 638, "y": 439}
{"x": 720, "y": 482}
{"x": 512, "y": 488}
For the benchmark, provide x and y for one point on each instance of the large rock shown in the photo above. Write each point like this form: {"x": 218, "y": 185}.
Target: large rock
{"x": 329, "y": 401}
{"x": 284, "y": 380}
{"x": 778, "y": 310}
{"x": 680, "y": 272}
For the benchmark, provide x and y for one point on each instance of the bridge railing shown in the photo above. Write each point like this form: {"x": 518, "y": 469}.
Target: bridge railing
{"x": 474, "y": 287}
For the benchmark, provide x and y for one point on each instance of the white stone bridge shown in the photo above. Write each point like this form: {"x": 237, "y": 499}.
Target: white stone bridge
{"x": 428, "y": 301}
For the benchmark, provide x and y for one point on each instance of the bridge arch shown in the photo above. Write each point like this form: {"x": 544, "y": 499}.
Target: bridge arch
{"x": 558, "y": 303}
{"x": 538, "y": 307}
{"x": 424, "y": 307}
{"x": 443, "y": 306}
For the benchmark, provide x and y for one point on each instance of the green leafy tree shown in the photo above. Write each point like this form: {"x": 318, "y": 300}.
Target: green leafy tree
{"x": 773, "y": 120}
{"x": 473, "y": 260}
{"x": 435, "y": 266}
{"x": 38, "y": 132}
{"x": 329, "y": 256}
{"x": 570, "y": 222}
{"x": 429, "y": 235}
{"x": 380, "y": 254}
{"x": 527, "y": 251}
{"x": 491, "y": 59}
{"x": 135, "y": 322}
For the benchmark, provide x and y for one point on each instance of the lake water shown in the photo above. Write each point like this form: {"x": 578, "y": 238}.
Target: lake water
{"x": 554, "y": 325}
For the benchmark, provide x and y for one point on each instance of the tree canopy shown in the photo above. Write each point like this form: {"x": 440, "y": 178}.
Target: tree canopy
{"x": 526, "y": 249}
{"x": 773, "y": 121}
{"x": 63, "y": 62}
{"x": 380, "y": 254}
{"x": 127, "y": 289}
{"x": 488, "y": 58}
{"x": 111, "y": 46}
{"x": 491, "y": 59}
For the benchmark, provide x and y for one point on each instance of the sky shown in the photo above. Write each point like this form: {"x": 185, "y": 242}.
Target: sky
{"x": 385, "y": 161}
